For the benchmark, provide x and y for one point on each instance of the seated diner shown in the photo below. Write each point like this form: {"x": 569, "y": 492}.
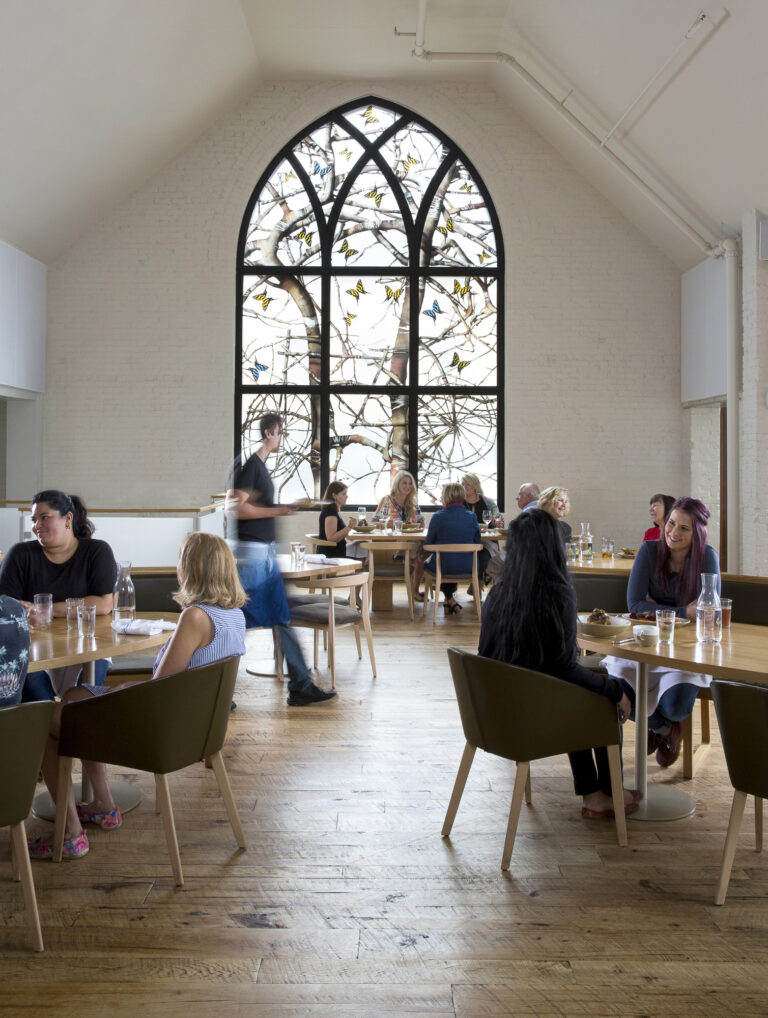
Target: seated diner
{"x": 660, "y": 508}
{"x": 555, "y": 501}
{"x": 65, "y": 561}
{"x": 454, "y": 524}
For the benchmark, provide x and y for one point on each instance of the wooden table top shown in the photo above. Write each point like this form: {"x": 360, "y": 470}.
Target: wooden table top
{"x": 600, "y": 565}
{"x": 416, "y": 536}
{"x": 58, "y": 646}
{"x": 742, "y": 655}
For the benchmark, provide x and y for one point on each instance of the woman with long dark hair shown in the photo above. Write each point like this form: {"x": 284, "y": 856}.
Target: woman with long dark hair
{"x": 667, "y": 574}
{"x": 65, "y": 561}
{"x": 529, "y": 619}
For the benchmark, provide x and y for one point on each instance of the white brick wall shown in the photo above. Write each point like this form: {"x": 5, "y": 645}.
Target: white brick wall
{"x": 705, "y": 465}
{"x": 141, "y": 319}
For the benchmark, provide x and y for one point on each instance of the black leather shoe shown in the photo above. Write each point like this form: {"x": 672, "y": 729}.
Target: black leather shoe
{"x": 310, "y": 694}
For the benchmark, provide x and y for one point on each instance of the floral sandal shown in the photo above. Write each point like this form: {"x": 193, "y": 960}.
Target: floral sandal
{"x": 109, "y": 820}
{"x": 42, "y": 848}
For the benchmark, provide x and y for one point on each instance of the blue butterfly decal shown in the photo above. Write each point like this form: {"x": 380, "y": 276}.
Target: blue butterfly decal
{"x": 433, "y": 312}
{"x": 257, "y": 369}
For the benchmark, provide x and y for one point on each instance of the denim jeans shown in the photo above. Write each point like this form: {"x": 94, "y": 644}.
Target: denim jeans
{"x": 267, "y": 605}
{"x": 38, "y": 684}
{"x": 675, "y": 704}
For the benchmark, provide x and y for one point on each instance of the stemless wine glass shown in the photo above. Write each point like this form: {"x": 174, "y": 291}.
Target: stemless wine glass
{"x": 361, "y": 514}
{"x": 487, "y": 517}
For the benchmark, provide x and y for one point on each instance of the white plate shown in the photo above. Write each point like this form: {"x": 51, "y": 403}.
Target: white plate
{"x": 652, "y": 622}
{"x": 617, "y": 625}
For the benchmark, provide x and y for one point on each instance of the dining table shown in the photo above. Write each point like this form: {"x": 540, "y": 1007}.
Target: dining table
{"x": 742, "y": 656}
{"x": 381, "y": 594}
{"x": 57, "y": 647}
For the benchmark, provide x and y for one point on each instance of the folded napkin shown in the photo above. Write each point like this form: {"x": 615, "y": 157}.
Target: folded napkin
{"x": 316, "y": 558}
{"x": 143, "y": 627}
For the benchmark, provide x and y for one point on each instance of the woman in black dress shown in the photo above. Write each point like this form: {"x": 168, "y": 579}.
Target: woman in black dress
{"x": 529, "y": 619}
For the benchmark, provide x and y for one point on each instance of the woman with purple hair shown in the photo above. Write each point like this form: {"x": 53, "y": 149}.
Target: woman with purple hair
{"x": 667, "y": 574}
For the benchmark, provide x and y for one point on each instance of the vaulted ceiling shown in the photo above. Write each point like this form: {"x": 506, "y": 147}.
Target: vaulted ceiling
{"x": 97, "y": 95}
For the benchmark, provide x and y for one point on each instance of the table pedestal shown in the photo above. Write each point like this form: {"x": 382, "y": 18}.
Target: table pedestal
{"x": 660, "y": 802}
{"x": 126, "y": 796}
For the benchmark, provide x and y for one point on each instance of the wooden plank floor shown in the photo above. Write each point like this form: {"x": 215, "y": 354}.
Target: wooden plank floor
{"x": 348, "y": 902}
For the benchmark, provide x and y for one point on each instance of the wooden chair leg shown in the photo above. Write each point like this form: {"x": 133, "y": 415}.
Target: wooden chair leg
{"x": 731, "y": 839}
{"x": 688, "y": 746}
{"x": 521, "y": 780}
{"x": 758, "y": 824}
{"x": 476, "y": 588}
{"x": 63, "y": 788}
{"x": 705, "y": 730}
{"x": 369, "y": 640}
{"x": 409, "y": 587}
{"x": 528, "y": 796}
{"x": 617, "y": 791}
{"x": 222, "y": 778}
{"x": 317, "y": 645}
{"x": 357, "y": 641}
{"x": 458, "y": 787}
{"x": 166, "y": 811}
{"x": 332, "y": 651}
{"x": 21, "y": 855}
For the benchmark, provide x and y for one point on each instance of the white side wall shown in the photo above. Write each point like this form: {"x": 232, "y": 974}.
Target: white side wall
{"x": 141, "y": 319}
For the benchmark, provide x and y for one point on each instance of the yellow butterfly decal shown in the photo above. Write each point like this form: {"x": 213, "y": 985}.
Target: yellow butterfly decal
{"x": 482, "y": 256}
{"x": 376, "y": 195}
{"x": 409, "y": 161}
{"x": 466, "y": 187}
{"x": 448, "y": 228}
{"x": 290, "y": 176}
{"x": 359, "y": 288}
{"x": 265, "y": 301}
{"x": 368, "y": 116}
{"x": 461, "y": 290}
{"x": 457, "y": 363}
{"x": 392, "y": 294}
{"x": 346, "y": 153}
{"x": 346, "y": 250}
{"x": 348, "y": 318}
{"x": 305, "y": 235}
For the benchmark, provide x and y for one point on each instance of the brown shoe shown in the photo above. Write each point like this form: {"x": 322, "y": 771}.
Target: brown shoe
{"x": 653, "y": 741}
{"x": 669, "y": 745}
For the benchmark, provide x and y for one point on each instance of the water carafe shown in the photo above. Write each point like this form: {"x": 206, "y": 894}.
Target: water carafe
{"x": 124, "y": 596}
{"x": 585, "y": 544}
{"x": 709, "y": 616}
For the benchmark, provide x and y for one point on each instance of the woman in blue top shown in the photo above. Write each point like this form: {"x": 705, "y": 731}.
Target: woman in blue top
{"x": 667, "y": 574}
{"x": 211, "y": 627}
{"x": 454, "y": 524}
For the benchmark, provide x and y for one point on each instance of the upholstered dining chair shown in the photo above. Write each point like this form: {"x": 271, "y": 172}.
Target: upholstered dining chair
{"x": 742, "y": 716}
{"x": 523, "y": 715}
{"x": 23, "y": 734}
{"x": 432, "y": 581}
{"x": 160, "y": 726}
{"x": 324, "y": 614}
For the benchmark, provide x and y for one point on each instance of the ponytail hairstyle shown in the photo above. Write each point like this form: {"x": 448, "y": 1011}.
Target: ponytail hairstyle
{"x": 63, "y": 503}
{"x": 689, "y": 581}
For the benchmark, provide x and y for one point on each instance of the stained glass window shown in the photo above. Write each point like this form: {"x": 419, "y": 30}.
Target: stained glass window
{"x": 370, "y": 297}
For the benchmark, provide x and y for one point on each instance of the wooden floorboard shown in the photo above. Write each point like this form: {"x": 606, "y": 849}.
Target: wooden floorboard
{"x": 348, "y": 902}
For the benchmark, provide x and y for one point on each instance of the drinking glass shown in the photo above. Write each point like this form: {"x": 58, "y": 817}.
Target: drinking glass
{"x": 302, "y": 552}
{"x": 43, "y": 610}
{"x": 86, "y": 620}
{"x": 397, "y": 526}
{"x": 608, "y": 546}
{"x": 726, "y": 605}
{"x": 295, "y": 545}
{"x": 361, "y": 514}
{"x": 487, "y": 517}
{"x": 73, "y": 603}
{"x": 665, "y": 620}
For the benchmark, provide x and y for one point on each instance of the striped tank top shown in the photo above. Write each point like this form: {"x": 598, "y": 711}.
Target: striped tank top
{"x": 228, "y": 639}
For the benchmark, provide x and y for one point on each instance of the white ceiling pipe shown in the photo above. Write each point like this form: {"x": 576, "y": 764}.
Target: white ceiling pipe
{"x": 421, "y": 22}
{"x": 629, "y": 174}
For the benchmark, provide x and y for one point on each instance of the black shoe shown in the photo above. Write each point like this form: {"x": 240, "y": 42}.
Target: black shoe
{"x": 309, "y": 694}
{"x": 234, "y": 706}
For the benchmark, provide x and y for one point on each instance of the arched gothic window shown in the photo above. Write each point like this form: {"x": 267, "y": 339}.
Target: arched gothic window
{"x": 370, "y": 297}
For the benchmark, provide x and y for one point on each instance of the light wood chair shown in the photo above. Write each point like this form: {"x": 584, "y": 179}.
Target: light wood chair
{"x": 23, "y": 735}
{"x": 693, "y": 756}
{"x": 327, "y": 616}
{"x": 392, "y": 570}
{"x": 432, "y": 581}
{"x": 742, "y": 716}
{"x": 160, "y": 726}
{"x": 315, "y": 542}
{"x": 523, "y": 715}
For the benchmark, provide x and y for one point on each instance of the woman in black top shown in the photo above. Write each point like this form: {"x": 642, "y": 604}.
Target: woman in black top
{"x": 64, "y": 561}
{"x": 332, "y": 526}
{"x": 529, "y": 619}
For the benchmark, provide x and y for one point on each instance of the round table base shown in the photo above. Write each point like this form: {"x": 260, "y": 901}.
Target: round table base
{"x": 664, "y": 802}
{"x": 126, "y": 796}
